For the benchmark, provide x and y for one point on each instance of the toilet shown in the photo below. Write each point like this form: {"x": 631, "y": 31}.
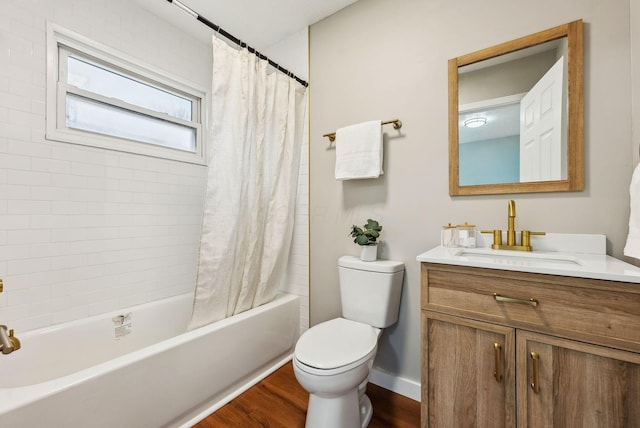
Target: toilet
{"x": 332, "y": 360}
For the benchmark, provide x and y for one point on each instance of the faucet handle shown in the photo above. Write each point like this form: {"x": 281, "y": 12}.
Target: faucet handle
{"x": 497, "y": 237}
{"x": 526, "y": 237}
{"x": 14, "y": 341}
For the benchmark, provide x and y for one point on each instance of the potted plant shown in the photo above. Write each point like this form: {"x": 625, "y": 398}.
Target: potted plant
{"x": 366, "y": 236}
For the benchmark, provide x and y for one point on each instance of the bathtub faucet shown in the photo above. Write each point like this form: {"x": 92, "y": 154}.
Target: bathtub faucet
{"x": 8, "y": 342}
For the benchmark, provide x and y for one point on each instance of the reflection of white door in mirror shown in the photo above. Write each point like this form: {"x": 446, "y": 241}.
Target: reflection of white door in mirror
{"x": 542, "y": 140}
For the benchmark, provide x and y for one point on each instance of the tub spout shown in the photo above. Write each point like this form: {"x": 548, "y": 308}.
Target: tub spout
{"x": 8, "y": 342}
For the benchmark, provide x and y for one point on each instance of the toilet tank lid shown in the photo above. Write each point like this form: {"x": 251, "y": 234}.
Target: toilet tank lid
{"x": 388, "y": 266}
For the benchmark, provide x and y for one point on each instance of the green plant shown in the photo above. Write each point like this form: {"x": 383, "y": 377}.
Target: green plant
{"x": 367, "y": 234}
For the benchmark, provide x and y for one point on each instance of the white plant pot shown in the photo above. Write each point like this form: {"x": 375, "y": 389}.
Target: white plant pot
{"x": 369, "y": 253}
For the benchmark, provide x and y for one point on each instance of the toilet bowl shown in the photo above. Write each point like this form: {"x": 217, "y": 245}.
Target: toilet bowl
{"x": 332, "y": 362}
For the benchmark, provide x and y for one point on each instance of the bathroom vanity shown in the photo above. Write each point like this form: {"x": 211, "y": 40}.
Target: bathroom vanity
{"x": 548, "y": 338}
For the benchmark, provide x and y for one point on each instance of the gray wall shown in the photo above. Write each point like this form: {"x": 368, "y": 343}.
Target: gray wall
{"x": 510, "y": 78}
{"x": 386, "y": 60}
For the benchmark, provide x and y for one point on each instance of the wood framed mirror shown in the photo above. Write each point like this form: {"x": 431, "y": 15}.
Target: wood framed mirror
{"x": 516, "y": 115}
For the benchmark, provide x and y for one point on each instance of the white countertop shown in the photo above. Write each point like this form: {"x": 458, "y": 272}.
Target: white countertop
{"x": 593, "y": 264}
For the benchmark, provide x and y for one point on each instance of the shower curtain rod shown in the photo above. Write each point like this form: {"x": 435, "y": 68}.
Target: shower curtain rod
{"x": 236, "y": 40}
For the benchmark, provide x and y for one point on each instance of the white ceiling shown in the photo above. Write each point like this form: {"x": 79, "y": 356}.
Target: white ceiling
{"x": 502, "y": 121}
{"x": 259, "y": 23}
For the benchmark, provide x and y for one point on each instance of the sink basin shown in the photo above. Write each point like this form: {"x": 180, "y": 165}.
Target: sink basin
{"x": 574, "y": 255}
{"x": 522, "y": 258}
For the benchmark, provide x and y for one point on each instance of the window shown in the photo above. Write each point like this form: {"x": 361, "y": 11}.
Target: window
{"x": 98, "y": 97}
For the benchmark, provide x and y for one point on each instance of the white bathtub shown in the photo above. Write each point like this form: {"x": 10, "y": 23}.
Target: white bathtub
{"x": 79, "y": 374}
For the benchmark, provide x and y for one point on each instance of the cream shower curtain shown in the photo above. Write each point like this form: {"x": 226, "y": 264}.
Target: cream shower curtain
{"x": 253, "y": 160}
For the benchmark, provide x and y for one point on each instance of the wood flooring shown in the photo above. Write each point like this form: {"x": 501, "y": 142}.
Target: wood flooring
{"x": 280, "y": 402}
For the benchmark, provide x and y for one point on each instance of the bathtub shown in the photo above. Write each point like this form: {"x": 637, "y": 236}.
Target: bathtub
{"x": 138, "y": 368}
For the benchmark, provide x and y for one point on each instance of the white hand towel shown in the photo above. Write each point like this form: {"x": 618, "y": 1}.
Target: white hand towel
{"x": 632, "y": 249}
{"x": 359, "y": 151}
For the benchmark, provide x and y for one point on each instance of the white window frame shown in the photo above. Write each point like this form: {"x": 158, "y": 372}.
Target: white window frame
{"x": 61, "y": 42}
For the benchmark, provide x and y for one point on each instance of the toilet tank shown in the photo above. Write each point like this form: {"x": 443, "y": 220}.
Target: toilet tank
{"x": 370, "y": 291}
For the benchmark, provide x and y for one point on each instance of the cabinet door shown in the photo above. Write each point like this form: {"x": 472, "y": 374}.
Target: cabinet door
{"x": 564, "y": 383}
{"x": 468, "y": 373}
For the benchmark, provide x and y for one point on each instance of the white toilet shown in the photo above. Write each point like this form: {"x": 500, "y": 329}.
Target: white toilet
{"x": 332, "y": 360}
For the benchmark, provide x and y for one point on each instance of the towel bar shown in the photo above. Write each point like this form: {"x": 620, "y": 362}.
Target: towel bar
{"x": 397, "y": 124}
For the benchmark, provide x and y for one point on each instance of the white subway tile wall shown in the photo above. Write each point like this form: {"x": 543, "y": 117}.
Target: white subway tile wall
{"x": 82, "y": 230}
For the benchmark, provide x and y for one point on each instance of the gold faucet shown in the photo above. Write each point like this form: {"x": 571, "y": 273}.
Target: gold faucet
{"x": 8, "y": 343}
{"x": 525, "y": 235}
{"x": 511, "y": 224}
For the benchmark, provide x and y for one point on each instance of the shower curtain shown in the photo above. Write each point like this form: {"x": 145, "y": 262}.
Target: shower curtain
{"x": 253, "y": 154}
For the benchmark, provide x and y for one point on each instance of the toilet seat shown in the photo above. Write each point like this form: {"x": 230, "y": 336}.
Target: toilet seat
{"x": 336, "y": 345}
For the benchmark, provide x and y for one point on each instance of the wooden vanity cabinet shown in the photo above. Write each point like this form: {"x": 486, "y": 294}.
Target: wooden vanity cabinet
{"x": 570, "y": 360}
{"x": 580, "y": 385}
{"x": 469, "y": 372}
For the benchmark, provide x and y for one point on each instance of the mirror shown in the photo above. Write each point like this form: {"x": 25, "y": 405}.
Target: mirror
{"x": 516, "y": 115}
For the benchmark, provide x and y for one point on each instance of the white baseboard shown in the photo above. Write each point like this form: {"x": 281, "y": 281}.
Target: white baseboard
{"x": 399, "y": 385}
